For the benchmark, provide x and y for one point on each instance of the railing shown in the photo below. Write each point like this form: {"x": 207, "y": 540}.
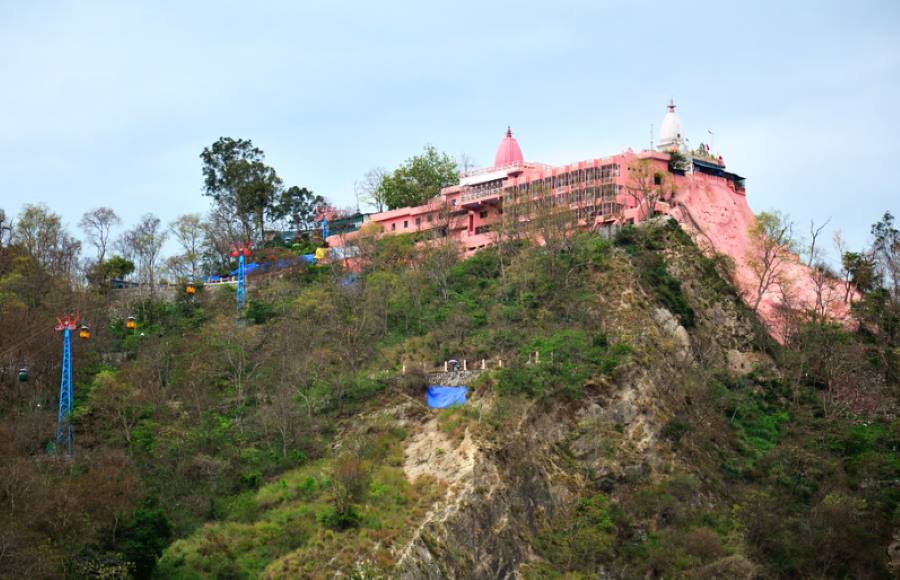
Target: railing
{"x": 481, "y": 364}
{"x": 475, "y": 195}
{"x": 484, "y": 170}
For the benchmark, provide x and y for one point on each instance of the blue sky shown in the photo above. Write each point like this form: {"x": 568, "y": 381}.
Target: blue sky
{"x": 110, "y": 103}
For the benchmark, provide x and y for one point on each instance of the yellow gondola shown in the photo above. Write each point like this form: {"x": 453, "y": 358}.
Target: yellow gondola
{"x": 191, "y": 289}
{"x": 84, "y": 332}
{"x": 131, "y": 323}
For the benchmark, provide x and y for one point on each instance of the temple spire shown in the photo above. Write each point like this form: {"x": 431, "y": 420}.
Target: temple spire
{"x": 509, "y": 152}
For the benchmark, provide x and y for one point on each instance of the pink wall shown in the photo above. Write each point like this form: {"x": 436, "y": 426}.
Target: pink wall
{"x": 710, "y": 208}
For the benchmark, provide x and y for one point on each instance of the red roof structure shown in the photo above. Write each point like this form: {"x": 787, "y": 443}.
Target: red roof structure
{"x": 509, "y": 151}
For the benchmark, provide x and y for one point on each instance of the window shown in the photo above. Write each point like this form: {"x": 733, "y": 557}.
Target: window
{"x": 429, "y": 217}
{"x": 393, "y": 227}
{"x": 657, "y": 179}
{"x": 418, "y": 221}
{"x": 483, "y": 214}
{"x": 405, "y": 224}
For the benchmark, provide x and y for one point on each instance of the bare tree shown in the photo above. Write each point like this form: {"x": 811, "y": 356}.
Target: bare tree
{"x": 188, "y": 232}
{"x": 145, "y": 242}
{"x": 885, "y": 254}
{"x": 97, "y": 225}
{"x": 220, "y": 231}
{"x": 466, "y": 162}
{"x": 369, "y": 189}
{"x": 648, "y": 185}
{"x": 771, "y": 247}
{"x": 823, "y": 283}
{"x": 814, "y": 254}
{"x": 5, "y": 226}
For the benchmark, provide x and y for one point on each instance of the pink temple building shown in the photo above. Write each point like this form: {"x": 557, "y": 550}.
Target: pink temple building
{"x": 595, "y": 189}
{"x": 708, "y": 201}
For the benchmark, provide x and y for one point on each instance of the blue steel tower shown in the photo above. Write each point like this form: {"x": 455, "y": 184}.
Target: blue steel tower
{"x": 64, "y": 435}
{"x": 241, "y": 252}
{"x": 242, "y": 284}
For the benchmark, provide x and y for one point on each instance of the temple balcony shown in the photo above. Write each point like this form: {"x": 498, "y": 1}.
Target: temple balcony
{"x": 476, "y": 197}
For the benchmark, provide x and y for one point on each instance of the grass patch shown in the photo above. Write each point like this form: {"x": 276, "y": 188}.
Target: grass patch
{"x": 290, "y": 527}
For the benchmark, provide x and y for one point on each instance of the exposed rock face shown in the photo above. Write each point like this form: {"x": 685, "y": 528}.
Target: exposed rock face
{"x": 719, "y": 219}
{"x": 503, "y": 487}
{"x": 494, "y": 504}
{"x": 669, "y": 324}
{"x": 744, "y": 362}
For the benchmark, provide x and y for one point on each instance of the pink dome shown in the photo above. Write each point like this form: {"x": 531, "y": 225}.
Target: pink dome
{"x": 509, "y": 151}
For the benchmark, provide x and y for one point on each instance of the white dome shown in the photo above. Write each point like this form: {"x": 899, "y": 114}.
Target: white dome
{"x": 671, "y": 135}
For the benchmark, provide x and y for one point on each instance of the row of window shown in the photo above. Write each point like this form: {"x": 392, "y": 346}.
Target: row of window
{"x": 606, "y": 191}
{"x": 579, "y": 176}
{"x": 429, "y": 218}
{"x": 603, "y": 209}
{"x": 595, "y": 206}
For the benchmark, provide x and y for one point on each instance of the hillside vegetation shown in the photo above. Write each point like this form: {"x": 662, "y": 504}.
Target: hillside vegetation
{"x": 662, "y": 433}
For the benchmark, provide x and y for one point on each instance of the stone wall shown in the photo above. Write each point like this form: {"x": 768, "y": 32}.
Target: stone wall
{"x": 454, "y": 378}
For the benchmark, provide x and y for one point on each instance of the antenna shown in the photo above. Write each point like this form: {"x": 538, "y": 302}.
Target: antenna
{"x": 651, "y": 136}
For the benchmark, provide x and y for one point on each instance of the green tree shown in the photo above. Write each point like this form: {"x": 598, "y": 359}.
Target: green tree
{"x": 238, "y": 180}
{"x": 41, "y": 234}
{"x": 420, "y": 178}
{"x": 296, "y": 207}
{"x": 115, "y": 268}
{"x": 858, "y": 271}
{"x": 145, "y": 537}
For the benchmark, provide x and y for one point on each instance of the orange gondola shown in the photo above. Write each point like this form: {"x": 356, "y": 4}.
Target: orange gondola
{"x": 191, "y": 289}
{"x": 131, "y": 323}
{"x": 84, "y": 332}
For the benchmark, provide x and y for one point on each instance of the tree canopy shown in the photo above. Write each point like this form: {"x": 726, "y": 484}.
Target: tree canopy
{"x": 296, "y": 207}
{"x": 237, "y": 178}
{"x": 420, "y": 178}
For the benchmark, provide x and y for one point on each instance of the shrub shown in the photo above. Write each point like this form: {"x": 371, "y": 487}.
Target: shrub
{"x": 350, "y": 482}
{"x": 675, "y": 429}
{"x": 259, "y": 312}
{"x": 567, "y": 360}
{"x": 703, "y": 543}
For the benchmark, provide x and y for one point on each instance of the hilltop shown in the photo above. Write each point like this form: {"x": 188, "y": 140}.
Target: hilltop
{"x": 658, "y": 431}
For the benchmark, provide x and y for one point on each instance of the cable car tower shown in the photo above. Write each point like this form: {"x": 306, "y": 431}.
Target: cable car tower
{"x": 67, "y": 324}
{"x": 241, "y": 251}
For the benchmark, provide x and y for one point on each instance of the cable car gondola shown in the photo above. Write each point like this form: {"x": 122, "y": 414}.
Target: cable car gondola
{"x": 23, "y": 375}
{"x": 130, "y": 323}
{"x": 191, "y": 289}
{"x": 84, "y": 332}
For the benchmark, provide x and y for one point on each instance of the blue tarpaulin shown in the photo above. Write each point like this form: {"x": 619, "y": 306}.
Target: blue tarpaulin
{"x": 440, "y": 397}
{"x": 252, "y": 267}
